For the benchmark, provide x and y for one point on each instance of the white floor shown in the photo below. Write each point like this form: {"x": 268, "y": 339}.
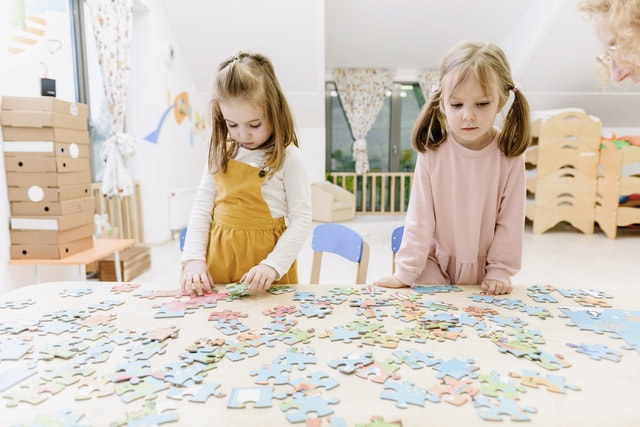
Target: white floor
{"x": 562, "y": 256}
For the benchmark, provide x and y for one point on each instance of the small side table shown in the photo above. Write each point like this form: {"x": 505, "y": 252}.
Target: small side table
{"x": 101, "y": 248}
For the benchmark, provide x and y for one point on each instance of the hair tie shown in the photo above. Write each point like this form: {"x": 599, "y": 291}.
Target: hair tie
{"x": 435, "y": 89}
{"x": 236, "y": 58}
{"x": 516, "y": 87}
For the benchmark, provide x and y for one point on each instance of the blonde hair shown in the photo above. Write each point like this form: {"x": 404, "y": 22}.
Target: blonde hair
{"x": 623, "y": 17}
{"x": 488, "y": 63}
{"x": 250, "y": 77}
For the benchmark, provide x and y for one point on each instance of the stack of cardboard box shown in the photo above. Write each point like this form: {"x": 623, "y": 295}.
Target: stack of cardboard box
{"x": 565, "y": 153}
{"x": 46, "y": 154}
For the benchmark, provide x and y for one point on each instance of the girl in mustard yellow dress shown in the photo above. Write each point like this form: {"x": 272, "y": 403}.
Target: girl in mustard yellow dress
{"x": 252, "y": 212}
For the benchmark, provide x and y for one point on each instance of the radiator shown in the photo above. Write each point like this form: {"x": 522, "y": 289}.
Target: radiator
{"x": 180, "y": 204}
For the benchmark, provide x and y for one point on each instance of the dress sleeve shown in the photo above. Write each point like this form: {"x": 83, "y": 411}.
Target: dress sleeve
{"x": 419, "y": 226}
{"x": 504, "y": 257}
{"x": 297, "y": 192}
{"x": 195, "y": 244}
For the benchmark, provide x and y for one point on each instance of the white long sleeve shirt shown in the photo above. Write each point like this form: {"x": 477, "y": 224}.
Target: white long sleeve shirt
{"x": 287, "y": 193}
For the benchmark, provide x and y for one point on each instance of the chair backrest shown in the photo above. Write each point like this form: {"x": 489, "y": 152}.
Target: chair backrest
{"x": 183, "y": 235}
{"x": 343, "y": 241}
{"x": 396, "y": 239}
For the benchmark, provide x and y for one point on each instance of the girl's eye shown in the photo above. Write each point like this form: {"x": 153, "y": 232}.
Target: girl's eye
{"x": 456, "y": 105}
{"x": 483, "y": 104}
{"x": 255, "y": 126}
{"x": 231, "y": 125}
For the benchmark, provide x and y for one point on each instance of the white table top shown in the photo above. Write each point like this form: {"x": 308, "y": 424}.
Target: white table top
{"x": 608, "y": 389}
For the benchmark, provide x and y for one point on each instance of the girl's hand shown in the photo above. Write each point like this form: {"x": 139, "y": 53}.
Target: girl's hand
{"x": 196, "y": 277}
{"x": 259, "y": 278}
{"x": 495, "y": 287}
{"x": 390, "y": 282}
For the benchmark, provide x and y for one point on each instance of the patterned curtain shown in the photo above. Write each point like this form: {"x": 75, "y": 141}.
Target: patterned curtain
{"x": 427, "y": 77}
{"x": 113, "y": 26}
{"x": 362, "y": 93}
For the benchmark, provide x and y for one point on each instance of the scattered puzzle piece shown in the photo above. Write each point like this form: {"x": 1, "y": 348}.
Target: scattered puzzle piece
{"x": 454, "y": 390}
{"x": 597, "y": 351}
{"x": 493, "y": 409}
{"x": 554, "y": 383}
{"x": 406, "y": 393}
{"x": 304, "y": 405}
{"x": 260, "y": 396}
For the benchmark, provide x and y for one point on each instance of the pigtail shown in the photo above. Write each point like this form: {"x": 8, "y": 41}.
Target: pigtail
{"x": 516, "y": 131}
{"x": 430, "y": 130}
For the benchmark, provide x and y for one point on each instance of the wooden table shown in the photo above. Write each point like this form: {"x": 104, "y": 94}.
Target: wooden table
{"x": 101, "y": 248}
{"x": 84, "y": 342}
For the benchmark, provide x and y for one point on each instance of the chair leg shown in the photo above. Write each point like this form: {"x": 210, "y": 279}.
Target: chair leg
{"x": 315, "y": 268}
{"x": 363, "y": 265}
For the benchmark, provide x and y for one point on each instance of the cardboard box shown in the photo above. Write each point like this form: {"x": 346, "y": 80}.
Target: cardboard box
{"x": 45, "y": 134}
{"x": 66, "y": 150}
{"x": 36, "y": 193}
{"x": 59, "y": 223}
{"x": 50, "y": 251}
{"x": 47, "y": 179}
{"x": 42, "y": 119}
{"x": 47, "y": 209}
{"x": 45, "y": 103}
{"x": 51, "y": 237}
{"x": 43, "y": 163}
{"x": 133, "y": 262}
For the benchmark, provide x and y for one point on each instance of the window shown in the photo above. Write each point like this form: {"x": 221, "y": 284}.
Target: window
{"x": 388, "y": 141}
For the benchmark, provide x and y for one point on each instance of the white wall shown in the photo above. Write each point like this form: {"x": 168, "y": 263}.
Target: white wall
{"x": 20, "y": 75}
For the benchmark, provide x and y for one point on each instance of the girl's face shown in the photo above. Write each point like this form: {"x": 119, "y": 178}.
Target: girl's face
{"x": 603, "y": 33}
{"x": 471, "y": 114}
{"x": 246, "y": 123}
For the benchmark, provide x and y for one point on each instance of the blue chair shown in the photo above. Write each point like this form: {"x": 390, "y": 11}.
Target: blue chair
{"x": 183, "y": 235}
{"x": 343, "y": 241}
{"x": 396, "y": 239}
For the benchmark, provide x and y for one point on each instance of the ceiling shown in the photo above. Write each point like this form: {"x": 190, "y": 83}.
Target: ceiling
{"x": 551, "y": 47}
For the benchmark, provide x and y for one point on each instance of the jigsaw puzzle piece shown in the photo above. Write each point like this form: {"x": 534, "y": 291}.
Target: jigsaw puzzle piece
{"x": 300, "y": 356}
{"x": 453, "y": 390}
{"x": 260, "y": 396}
{"x": 554, "y": 383}
{"x": 349, "y": 363}
{"x": 494, "y": 409}
{"x": 199, "y": 392}
{"x": 91, "y": 386}
{"x": 456, "y": 368}
{"x": 406, "y": 393}
{"x": 494, "y": 385}
{"x": 279, "y": 372}
{"x": 597, "y": 351}
{"x": 414, "y": 358}
{"x": 304, "y": 405}
{"x": 13, "y": 376}
{"x": 379, "y": 371}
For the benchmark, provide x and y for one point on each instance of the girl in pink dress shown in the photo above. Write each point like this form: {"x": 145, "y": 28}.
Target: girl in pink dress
{"x": 465, "y": 220}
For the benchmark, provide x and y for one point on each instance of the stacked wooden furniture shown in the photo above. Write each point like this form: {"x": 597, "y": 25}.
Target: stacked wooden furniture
{"x": 615, "y": 185}
{"x": 46, "y": 154}
{"x": 563, "y": 169}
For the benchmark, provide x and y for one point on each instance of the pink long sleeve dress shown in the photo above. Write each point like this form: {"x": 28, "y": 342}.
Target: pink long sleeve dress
{"x": 465, "y": 220}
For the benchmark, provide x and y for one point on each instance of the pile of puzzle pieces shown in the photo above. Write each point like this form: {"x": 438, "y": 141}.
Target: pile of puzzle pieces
{"x": 67, "y": 349}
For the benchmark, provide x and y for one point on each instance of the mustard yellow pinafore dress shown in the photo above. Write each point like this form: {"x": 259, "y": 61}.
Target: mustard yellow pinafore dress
{"x": 243, "y": 232}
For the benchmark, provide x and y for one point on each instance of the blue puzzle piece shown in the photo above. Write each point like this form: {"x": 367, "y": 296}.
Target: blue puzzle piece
{"x": 405, "y": 393}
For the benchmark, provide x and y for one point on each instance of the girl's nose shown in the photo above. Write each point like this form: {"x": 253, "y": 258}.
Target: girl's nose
{"x": 245, "y": 133}
{"x": 467, "y": 114}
